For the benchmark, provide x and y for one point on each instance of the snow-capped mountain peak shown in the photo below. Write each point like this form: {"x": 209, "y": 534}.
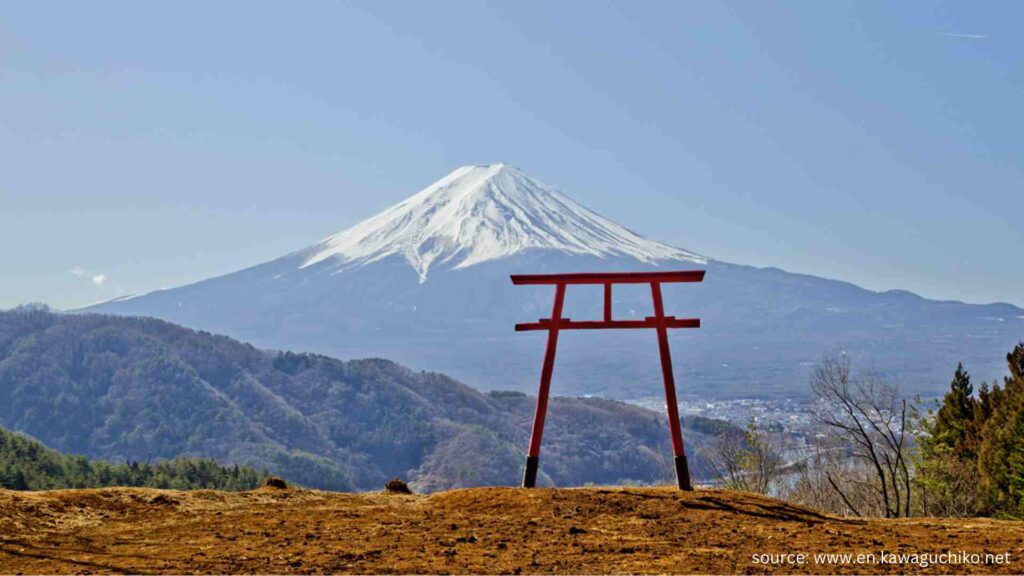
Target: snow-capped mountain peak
{"x": 482, "y": 213}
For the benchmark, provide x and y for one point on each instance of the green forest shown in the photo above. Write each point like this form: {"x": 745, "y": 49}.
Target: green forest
{"x": 139, "y": 389}
{"x": 971, "y": 459}
{"x": 26, "y": 464}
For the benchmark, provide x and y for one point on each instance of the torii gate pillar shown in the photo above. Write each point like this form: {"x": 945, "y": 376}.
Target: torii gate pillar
{"x": 660, "y": 322}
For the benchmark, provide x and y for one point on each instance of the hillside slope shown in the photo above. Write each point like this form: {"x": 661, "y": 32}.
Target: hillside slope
{"x": 26, "y": 464}
{"x": 426, "y": 283}
{"x": 484, "y": 530}
{"x": 141, "y": 389}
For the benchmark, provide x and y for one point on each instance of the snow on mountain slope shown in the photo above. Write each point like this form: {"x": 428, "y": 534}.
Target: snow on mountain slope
{"x": 761, "y": 328}
{"x": 481, "y": 213}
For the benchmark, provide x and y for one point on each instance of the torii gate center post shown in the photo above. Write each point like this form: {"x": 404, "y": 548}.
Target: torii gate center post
{"x": 660, "y": 322}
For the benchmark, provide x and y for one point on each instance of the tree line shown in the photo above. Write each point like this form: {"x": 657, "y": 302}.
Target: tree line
{"x": 971, "y": 459}
{"x": 26, "y": 464}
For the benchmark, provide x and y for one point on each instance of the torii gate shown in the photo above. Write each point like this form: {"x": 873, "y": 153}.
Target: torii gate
{"x": 659, "y": 322}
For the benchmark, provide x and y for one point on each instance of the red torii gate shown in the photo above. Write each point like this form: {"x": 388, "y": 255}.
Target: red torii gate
{"x": 659, "y": 322}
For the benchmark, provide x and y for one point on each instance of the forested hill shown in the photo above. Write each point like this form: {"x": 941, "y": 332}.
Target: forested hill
{"x": 28, "y": 465}
{"x": 141, "y": 389}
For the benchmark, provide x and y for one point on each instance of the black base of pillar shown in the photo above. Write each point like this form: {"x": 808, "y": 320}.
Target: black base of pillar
{"x": 683, "y": 473}
{"x": 530, "y": 476}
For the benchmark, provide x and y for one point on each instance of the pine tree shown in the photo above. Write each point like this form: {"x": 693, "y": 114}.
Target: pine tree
{"x": 1000, "y": 460}
{"x": 1015, "y": 360}
{"x": 946, "y": 469}
{"x": 956, "y": 416}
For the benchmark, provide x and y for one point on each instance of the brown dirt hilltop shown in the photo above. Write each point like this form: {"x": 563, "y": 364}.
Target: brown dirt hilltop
{"x": 484, "y": 530}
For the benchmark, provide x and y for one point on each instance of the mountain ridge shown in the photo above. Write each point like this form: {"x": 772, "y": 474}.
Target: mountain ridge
{"x": 364, "y": 294}
{"x": 122, "y": 388}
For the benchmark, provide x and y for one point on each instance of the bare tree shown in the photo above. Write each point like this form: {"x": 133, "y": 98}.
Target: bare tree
{"x": 750, "y": 461}
{"x": 828, "y": 479}
{"x": 868, "y": 414}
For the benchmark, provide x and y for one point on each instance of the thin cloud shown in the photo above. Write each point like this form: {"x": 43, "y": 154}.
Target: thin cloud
{"x": 98, "y": 280}
{"x": 959, "y": 35}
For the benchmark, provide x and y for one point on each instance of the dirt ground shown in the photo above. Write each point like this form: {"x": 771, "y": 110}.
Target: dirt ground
{"x": 484, "y": 530}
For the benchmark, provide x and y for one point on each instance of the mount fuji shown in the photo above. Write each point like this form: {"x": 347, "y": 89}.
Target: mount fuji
{"x": 481, "y": 213}
{"x": 426, "y": 283}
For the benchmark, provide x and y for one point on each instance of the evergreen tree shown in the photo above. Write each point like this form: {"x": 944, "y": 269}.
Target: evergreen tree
{"x": 946, "y": 461}
{"x": 1001, "y": 451}
{"x": 28, "y": 465}
{"x": 955, "y": 417}
{"x": 15, "y": 480}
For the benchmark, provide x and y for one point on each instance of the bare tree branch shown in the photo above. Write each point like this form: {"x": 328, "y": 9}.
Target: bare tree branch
{"x": 868, "y": 414}
{"x": 842, "y": 494}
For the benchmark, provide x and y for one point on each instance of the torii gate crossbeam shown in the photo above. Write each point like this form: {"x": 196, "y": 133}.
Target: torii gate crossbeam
{"x": 556, "y": 323}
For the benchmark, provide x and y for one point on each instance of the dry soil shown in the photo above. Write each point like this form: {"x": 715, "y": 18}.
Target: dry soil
{"x": 483, "y": 530}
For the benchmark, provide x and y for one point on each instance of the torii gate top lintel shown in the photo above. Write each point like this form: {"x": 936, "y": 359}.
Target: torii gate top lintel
{"x": 660, "y": 322}
{"x": 655, "y": 279}
{"x": 609, "y": 277}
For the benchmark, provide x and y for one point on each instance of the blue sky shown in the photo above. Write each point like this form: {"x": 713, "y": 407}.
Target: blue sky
{"x": 146, "y": 146}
